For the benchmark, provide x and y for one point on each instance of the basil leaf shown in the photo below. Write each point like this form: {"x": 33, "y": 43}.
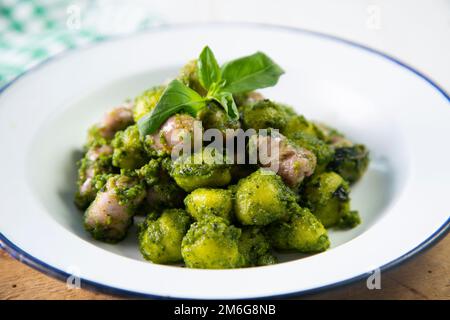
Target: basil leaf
{"x": 176, "y": 97}
{"x": 227, "y": 102}
{"x": 249, "y": 73}
{"x": 208, "y": 68}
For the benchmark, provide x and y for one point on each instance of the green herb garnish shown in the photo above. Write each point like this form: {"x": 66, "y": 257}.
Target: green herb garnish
{"x": 250, "y": 73}
{"x": 241, "y": 75}
{"x": 176, "y": 97}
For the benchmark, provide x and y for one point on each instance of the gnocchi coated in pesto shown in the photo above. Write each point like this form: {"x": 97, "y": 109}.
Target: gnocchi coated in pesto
{"x": 216, "y": 214}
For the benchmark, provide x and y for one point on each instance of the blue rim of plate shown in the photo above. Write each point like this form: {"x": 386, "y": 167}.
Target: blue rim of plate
{"x": 22, "y": 256}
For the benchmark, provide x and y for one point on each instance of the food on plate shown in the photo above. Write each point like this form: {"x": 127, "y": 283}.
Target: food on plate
{"x": 110, "y": 215}
{"x": 212, "y": 244}
{"x": 160, "y": 239}
{"x": 204, "y": 202}
{"x": 262, "y": 198}
{"x": 302, "y": 232}
{"x": 221, "y": 176}
{"x": 327, "y": 195}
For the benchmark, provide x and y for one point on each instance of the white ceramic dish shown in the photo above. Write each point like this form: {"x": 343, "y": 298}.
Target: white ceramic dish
{"x": 397, "y": 112}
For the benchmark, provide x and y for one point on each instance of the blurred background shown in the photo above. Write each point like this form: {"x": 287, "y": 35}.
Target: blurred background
{"x": 415, "y": 31}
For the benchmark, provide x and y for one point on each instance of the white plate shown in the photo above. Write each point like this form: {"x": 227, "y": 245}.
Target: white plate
{"x": 396, "y": 111}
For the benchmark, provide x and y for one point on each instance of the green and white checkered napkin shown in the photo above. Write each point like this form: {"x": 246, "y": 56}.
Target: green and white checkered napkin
{"x": 32, "y": 31}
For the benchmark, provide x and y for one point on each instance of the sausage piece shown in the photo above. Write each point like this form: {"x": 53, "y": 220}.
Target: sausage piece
{"x": 292, "y": 163}
{"x": 117, "y": 119}
{"x": 109, "y": 216}
{"x": 172, "y": 133}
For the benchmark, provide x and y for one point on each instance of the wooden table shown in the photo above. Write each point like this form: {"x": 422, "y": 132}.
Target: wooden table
{"x": 426, "y": 276}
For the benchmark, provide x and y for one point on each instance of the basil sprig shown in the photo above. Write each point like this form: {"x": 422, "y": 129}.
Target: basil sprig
{"x": 241, "y": 75}
{"x": 250, "y": 73}
{"x": 176, "y": 97}
{"x": 209, "y": 72}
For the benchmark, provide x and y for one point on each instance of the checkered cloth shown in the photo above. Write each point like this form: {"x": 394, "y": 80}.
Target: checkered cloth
{"x": 32, "y": 31}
